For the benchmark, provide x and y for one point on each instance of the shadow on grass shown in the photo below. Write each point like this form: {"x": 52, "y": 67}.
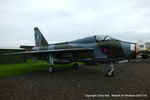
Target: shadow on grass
{"x": 28, "y": 67}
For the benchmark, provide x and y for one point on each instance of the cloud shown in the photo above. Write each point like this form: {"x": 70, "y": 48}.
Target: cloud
{"x": 64, "y": 20}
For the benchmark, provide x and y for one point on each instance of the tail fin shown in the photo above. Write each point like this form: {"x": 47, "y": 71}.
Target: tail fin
{"x": 39, "y": 38}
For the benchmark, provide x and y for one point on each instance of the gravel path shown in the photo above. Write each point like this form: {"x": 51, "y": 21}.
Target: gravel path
{"x": 69, "y": 84}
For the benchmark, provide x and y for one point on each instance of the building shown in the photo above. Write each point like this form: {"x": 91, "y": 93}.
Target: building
{"x": 9, "y": 59}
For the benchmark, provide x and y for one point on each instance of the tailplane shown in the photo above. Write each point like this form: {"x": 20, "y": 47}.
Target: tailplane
{"x": 39, "y": 38}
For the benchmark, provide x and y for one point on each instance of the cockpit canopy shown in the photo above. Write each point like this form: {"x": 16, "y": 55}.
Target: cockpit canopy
{"x": 104, "y": 38}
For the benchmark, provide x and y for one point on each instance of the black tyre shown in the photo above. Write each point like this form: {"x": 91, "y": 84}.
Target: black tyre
{"x": 110, "y": 73}
{"x": 75, "y": 66}
{"x": 51, "y": 69}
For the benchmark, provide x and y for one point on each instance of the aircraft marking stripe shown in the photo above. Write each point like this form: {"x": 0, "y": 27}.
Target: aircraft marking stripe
{"x": 136, "y": 55}
{"x": 38, "y": 44}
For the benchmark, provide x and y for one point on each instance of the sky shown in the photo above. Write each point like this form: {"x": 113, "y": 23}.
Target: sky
{"x": 65, "y": 20}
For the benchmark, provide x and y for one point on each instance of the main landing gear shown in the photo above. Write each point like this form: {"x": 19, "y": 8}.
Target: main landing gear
{"x": 51, "y": 62}
{"x": 110, "y": 72}
{"x": 75, "y": 66}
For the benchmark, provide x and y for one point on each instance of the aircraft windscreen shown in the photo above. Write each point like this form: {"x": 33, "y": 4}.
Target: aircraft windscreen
{"x": 107, "y": 38}
{"x": 100, "y": 37}
{"x": 104, "y": 38}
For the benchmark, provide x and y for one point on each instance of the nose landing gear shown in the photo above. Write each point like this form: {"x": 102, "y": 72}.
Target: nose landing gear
{"x": 110, "y": 72}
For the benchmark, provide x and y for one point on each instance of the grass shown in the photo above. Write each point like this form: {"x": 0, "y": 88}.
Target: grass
{"x": 28, "y": 67}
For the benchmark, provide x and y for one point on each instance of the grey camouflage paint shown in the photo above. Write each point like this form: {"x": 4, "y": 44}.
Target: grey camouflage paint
{"x": 109, "y": 49}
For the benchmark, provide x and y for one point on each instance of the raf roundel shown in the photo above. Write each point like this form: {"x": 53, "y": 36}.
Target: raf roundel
{"x": 105, "y": 50}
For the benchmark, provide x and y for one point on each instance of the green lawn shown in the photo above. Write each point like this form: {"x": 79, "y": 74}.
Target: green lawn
{"x": 29, "y": 67}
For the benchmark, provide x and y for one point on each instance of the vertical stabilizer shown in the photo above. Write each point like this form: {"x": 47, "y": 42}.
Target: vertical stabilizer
{"x": 39, "y": 38}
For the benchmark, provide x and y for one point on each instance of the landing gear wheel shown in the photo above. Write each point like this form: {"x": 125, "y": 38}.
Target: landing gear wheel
{"x": 110, "y": 73}
{"x": 51, "y": 69}
{"x": 75, "y": 66}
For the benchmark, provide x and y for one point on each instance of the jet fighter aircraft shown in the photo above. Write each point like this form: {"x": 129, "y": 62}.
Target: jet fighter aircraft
{"x": 97, "y": 48}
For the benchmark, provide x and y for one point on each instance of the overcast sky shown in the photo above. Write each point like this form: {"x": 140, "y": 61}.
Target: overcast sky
{"x": 65, "y": 20}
